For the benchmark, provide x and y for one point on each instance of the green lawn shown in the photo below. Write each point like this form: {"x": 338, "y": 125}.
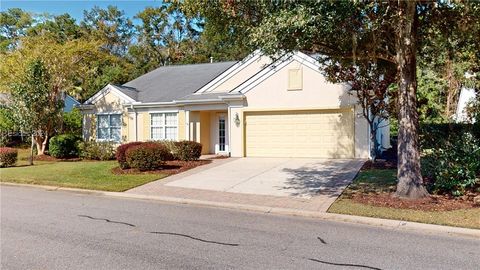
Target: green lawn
{"x": 377, "y": 181}
{"x": 79, "y": 174}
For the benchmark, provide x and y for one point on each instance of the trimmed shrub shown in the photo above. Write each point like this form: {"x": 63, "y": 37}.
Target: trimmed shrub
{"x": 147, "y": 156}
{"x": 188, "y": 150}
{"x": 172, "y": 147}
{"x": 97, "y": 150}
{"x": 8, "y": 156}
{"x": 455, "y": 165}
{"x": 121, "y": 156}
{"x": 64, "y": 146}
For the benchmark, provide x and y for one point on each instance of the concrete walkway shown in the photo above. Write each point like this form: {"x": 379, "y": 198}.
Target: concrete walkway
{"x": 303, "y": 184}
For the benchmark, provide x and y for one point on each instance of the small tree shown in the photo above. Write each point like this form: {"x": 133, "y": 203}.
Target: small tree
{"x": 35, "y": 108}
{"x": 369, "y": 83}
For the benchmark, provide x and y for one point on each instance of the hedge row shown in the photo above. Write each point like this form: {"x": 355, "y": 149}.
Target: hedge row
{"x": 147, "y": 156}
{"x": 8, "y": 156}
{"x": 64, "y": 146}
{"x": 152, "y": 155}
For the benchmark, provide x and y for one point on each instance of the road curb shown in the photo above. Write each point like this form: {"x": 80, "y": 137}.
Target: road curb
{"x": 378, "y": 222}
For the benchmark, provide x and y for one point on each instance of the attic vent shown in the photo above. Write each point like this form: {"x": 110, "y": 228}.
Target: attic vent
{"x": 295, "y": 79}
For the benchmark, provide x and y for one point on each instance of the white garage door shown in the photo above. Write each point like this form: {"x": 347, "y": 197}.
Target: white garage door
{"x": 316, "y": 133}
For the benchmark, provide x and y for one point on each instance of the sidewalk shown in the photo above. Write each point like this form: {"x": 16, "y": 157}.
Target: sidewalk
{"x": 317, "y": 203}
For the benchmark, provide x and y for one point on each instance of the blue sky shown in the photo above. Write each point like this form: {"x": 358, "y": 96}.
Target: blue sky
{"x": 75, "y": 8}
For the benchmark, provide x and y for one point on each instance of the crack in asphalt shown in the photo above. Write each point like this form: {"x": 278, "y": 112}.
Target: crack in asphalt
{"x": 164, "y": 233}
{"x": 321, "y": 240}
{"x": 345, "y": 264}
{"x": 198, "y": 239}
{"x": 108, "y": 220}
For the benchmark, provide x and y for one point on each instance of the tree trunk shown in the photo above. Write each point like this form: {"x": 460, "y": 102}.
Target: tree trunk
{"x": 410, "y": 182}
{"x": 41, "y": 142}
{"x": 31, "y": 150}
{"x": 452, "y": 90}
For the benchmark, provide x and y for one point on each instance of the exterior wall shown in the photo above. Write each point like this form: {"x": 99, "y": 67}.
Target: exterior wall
{"x": 236, "y": 131}
{"x": 181, "y": 125}
{"x": 145, "y": 126}
{"x": 316, "y": 93}
{"x": 109, "y": 103}
{"x": 131, "y": 127}
{"x": 362, "y": 134}
{"x": 243, "y": 75}
{"x": 69, "y": 103}
{"x": 125, "y": 126}
{"x": 205, "y": 138}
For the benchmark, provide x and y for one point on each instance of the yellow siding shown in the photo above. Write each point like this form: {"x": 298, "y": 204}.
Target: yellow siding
{"x": 91, "y": 126}
{"x": 205, "y": 131}
{"x": 125, "y": 126}
{"x": 146, "y": 126}
{"x": 319, "y": 134}
{"x": 181, "y": 125}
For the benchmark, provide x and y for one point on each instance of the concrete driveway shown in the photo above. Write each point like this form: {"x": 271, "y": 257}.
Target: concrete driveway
{"x": 275, "y": 176}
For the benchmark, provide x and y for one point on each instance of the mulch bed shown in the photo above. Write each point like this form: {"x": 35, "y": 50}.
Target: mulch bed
{"x": 431, "y": 203}
{"x": 380, "y": 164}
{"x": 443, "y": 202}
{"x": 50, "y": 158}
{"x": 171, "y": 167}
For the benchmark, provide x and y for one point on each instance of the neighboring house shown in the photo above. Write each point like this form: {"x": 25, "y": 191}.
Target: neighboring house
{"x": 69, "y": 101}
{"x": 252, "y": 108}
{"x": 467, "y": 95}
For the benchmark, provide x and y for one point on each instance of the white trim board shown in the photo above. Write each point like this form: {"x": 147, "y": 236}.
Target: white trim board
{"x": 230, "y": 72}
{"x": 107, "y": 89}
{"x": 268, "y": 71}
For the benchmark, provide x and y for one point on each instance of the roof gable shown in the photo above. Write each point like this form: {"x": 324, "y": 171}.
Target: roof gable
{"x": 229, "y": 73}
{"x": 109, "y": 88}
{"x": 274, "y": 67}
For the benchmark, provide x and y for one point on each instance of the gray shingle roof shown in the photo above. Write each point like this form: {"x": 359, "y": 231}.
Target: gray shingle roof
{"x": 129, "y": 91}
{"x": 172, "y": 82}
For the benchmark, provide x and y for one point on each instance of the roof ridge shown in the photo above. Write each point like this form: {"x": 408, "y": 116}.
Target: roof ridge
{"x": 193, "y": 64}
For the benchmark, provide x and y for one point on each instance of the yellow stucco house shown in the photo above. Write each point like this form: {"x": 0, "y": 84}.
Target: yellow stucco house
{"x": 252, "y": 108}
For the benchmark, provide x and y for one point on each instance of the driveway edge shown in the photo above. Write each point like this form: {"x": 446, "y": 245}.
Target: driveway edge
{"x": 378, "y": 222}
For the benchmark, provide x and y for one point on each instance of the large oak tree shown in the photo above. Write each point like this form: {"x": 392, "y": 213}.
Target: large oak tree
{"x": 346, "y": 33}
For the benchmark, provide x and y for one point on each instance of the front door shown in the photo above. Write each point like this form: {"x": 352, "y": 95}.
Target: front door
{"x": 221, "y": 145}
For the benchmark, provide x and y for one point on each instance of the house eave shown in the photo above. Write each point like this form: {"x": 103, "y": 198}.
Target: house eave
{"x": 174, "y": 103}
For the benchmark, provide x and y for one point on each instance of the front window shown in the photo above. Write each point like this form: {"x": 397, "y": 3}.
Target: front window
{"x": 163, "y": 126}
{"x": 109, "y": 127}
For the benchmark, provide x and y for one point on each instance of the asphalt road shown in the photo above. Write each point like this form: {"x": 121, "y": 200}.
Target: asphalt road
{"x": 63, "y": 230}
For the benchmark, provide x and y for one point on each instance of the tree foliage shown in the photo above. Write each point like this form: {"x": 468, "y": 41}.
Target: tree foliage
{"x": 166, "y": 36}
{"x": 358, "y": 35}
{"x": 111, "y": 26}
{"x": 14, "y": 22}
{"x": 35, "y": 107}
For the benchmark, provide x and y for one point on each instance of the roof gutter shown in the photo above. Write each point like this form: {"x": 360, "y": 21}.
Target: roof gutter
{"x": 219, "y": 100}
